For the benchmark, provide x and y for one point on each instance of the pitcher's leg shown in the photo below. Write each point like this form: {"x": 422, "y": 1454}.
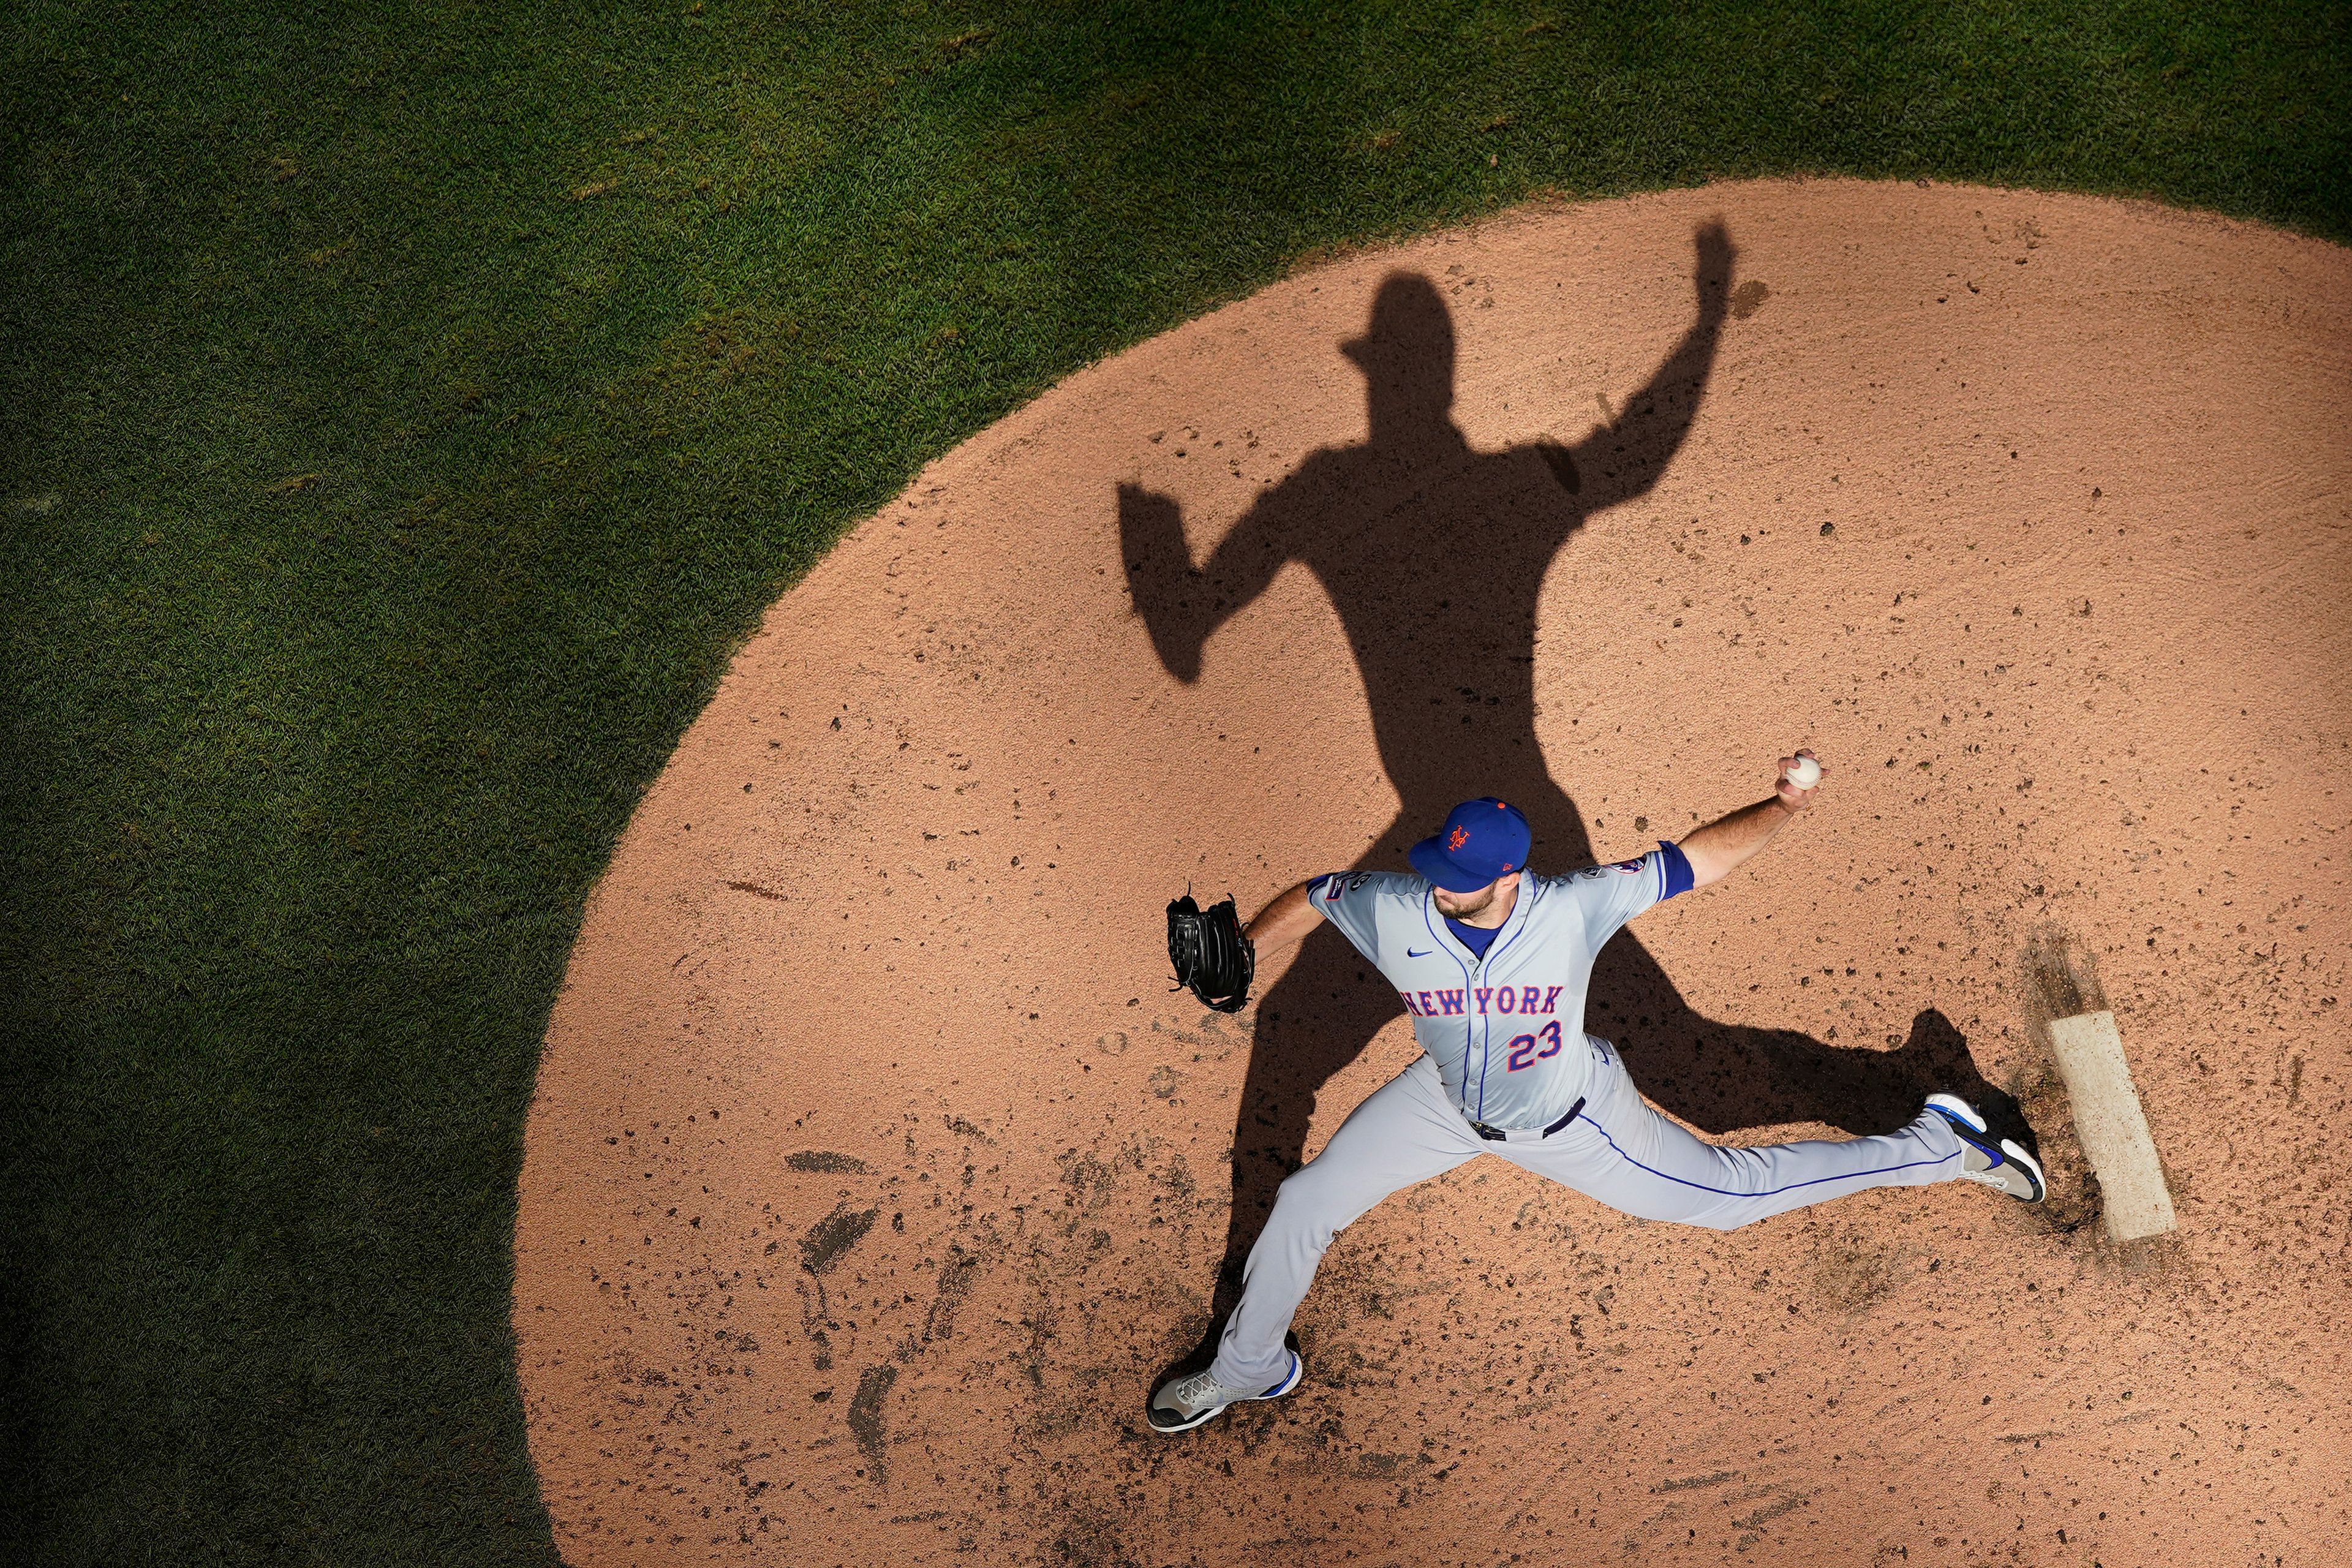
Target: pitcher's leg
{"x": 1405, "y": 1132}
{"x": 1626, "y": 1153}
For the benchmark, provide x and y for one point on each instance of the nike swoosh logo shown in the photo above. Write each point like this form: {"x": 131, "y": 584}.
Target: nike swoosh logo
{"x": 1424, "y": 953}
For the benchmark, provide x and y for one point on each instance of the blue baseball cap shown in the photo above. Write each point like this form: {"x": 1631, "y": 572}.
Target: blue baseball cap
{"x": 1481, "y": 839}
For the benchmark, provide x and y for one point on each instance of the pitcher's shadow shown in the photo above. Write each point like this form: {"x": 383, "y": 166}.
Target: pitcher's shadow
{"x": 1435, "y": 555}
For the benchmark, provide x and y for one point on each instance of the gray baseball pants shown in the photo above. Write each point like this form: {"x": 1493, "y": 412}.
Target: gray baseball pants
{"x": 1619, "y": 1150}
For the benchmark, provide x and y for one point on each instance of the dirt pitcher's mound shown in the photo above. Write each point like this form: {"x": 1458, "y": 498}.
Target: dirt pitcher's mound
{"x": 875, "y": 1174}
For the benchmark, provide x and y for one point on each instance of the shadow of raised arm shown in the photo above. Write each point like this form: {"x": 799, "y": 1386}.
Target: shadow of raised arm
{"x": 1618, "y": 463}
{"x": 1182, "y": 605}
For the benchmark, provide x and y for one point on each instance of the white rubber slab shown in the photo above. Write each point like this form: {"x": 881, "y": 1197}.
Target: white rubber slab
{"x": 2113, "y": 1128}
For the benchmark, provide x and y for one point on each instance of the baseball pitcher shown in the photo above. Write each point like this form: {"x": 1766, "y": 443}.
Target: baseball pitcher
{"x": 1492, "y": 961}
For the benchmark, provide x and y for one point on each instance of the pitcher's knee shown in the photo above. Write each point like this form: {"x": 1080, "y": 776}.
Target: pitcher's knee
{"x": 1307, "y": 1184}
{"x": 1309, "y": 1209}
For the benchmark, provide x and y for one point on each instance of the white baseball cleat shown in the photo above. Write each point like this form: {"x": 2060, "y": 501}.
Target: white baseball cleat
{"x": 1181, "y": 1404}
{"x": 2005, "y": 1164}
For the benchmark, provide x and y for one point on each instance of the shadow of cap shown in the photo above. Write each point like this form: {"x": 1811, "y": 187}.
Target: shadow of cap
{"x": 1410, "y": 327}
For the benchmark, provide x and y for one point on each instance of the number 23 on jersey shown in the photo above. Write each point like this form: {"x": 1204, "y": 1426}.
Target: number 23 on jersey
{"x": 1523, "y": 1047}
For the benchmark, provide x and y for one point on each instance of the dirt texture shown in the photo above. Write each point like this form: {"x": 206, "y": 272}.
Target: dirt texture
{"x": 875, "y": 1174}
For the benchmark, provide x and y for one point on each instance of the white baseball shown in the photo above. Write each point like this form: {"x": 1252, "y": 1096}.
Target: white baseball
{"x": 1804, "y": 773}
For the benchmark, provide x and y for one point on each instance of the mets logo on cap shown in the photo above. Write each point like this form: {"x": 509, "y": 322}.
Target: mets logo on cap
{"x": 1480, "y": 841}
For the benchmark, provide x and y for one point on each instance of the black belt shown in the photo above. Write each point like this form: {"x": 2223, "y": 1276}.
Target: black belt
{"x": 1499, "y": 1135}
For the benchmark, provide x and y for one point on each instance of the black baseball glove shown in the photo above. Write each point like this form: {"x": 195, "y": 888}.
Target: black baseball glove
{"x": 1209, "y": 953}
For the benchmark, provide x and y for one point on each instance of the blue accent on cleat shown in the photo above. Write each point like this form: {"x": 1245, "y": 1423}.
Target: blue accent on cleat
{"x": 2004, "y": 1164}
{"x": 1958, "y": 1112}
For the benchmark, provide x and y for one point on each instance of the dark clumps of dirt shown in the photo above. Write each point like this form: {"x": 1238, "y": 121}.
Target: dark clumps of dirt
{"x": 1092, "y": 1541}
{"x": 1088, "y": 1177}
{"x": 866, "y": 1418}
{"x": 963, "y": 1128}
{"x": 2074, "y": 1199}
{"x": 826, "y": 1160}
{"x": 956, "y": 1279}
{"x": 833, "y": 1235}
{"x": 2061, "y": 978}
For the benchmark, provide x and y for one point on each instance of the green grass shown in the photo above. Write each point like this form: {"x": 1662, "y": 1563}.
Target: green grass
{"x": 589, "y": 336}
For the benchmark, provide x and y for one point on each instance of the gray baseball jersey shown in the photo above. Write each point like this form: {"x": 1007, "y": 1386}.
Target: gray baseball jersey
{"x": 1495, "y": 1025}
